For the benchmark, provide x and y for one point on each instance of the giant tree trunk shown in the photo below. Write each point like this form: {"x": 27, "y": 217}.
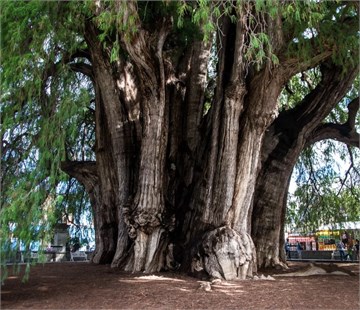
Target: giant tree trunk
{"x": 284, "y": 141}
{"x": 115, "y": 147}
{"x": 176, "y": 187}
{"x": 216, "y": 225}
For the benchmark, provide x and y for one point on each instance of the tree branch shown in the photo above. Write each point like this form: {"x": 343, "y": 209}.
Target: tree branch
{"x": 353, "y": 108}
{"x": 319, "y": 102}
{"x": 345, "y": 133}
{"x": 348, "y": 171}
{"x": 81, "y": 53}
{"x": 83, "y": 68}
{"x": 294, "y": 65}
{"x": 83, "y": 171}
{"x": 337, "y": 132}
{"x": 52, "y": 68}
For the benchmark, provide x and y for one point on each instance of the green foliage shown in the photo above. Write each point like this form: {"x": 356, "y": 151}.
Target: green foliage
{"x": 327, "y": 178}
{"x": 322, "y": 26}
{"x": 298, "y": 87}
{"x": 44, "y": 106}
{"x": 259, "y": 50}
{"x": 325, "y": 193}
{"x": 309, "y": 26}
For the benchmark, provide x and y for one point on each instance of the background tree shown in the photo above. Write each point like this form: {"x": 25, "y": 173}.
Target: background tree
{"x": 324, "y": 195}
{"x": 114, "y": 93}
{"x": 44, "y": 119}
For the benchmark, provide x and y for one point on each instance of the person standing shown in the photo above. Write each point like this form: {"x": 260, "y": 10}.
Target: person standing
{"x": 350, "y": 248}
{"x": 299, "y": 249}
{"x": 287, "y": 249}
{"x": 345, "y": 238}
{"x": 356, "y": 248}
{"x": 341, "y": 248}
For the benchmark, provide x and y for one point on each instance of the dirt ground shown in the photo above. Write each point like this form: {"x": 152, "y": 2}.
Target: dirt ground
{"x": 79, "y": 285}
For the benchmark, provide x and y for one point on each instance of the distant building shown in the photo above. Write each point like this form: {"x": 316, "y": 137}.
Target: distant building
{"x": 329, "y": 235}
{"x": 326, "y": 236}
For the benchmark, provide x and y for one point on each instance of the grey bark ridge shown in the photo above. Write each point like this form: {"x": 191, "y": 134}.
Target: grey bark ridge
{"x": 226, "y": 254}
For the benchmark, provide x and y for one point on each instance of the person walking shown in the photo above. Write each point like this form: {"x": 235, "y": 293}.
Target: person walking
{"x": 287, "y": 249}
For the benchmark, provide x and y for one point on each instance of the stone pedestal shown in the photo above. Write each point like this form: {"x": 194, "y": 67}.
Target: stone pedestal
{"x": 61, "y": 237}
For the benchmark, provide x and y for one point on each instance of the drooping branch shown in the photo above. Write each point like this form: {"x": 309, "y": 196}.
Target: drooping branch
{"x": 348, "y": 171}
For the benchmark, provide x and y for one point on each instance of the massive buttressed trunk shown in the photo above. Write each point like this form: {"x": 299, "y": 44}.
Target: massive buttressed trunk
{"x": 178, "y": 175}
{"x": 168, "y": 114}
{"x": 200, "y": 195}
{"x": 216, "y": 225}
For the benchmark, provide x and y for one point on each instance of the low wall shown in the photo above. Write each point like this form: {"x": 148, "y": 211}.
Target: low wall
{"x": 316, "y": 254}
{"x": 326, "y": 255}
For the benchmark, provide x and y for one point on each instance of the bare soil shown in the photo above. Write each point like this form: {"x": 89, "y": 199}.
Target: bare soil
{"x": 79, "y": 285}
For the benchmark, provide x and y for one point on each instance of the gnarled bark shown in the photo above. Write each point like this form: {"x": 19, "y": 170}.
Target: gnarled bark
{"x": 114, "y": 150}
{"x": 171, "y": 180}
{"x": 225, "y": 253}
{"x": 284, "y": 141}
{"x": 145, "y": 215}
{"x": 223, "y": 193}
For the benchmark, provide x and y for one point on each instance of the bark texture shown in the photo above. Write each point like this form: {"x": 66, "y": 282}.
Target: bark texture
{"x": 175, "y": 186}
{"x": 289, "y": 134}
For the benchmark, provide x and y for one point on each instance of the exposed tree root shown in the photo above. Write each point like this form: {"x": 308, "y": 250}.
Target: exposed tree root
{"x": 226, "y": 254}
{"x": 313, "y": 269}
